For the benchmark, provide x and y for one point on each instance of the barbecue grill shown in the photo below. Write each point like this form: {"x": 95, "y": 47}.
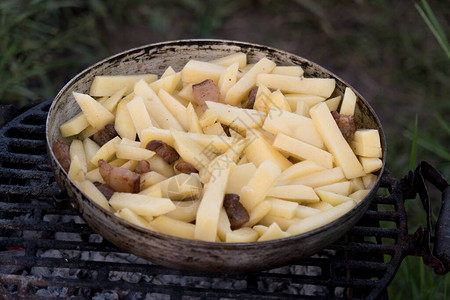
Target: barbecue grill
{"x": 47, "y": 251}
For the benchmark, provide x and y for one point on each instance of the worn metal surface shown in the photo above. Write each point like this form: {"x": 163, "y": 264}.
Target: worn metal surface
{"x": 190, "y": 254}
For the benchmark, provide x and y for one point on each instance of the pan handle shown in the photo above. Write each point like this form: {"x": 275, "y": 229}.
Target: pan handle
{"x": 440, "y": 258}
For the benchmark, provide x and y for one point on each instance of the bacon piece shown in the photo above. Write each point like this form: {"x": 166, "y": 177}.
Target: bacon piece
{"x": 236, "y": 212}
{"x": 346, "y": 125}
{"x": 252, "y": 97}
{"x": 62, "y": 153}
{"x": 142, "y": 167}
{"x": 169, "y": 154}
{"x": 101, "y": 137}
{"x": 105, "y": 189}
{"x": 205, "y": 91}
{"x": 119, "y": 179}
{"x": 185, "y": 167}
{"x": 226, "y": 129}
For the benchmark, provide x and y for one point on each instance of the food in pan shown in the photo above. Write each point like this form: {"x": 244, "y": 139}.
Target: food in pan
{"x": 221, "y": 150}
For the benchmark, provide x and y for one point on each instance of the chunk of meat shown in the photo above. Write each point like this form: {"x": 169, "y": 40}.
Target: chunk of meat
{"x": 185, "y": 167}
{"x": 62, "y": 153}
{"x": 119, "y": 179}
{"x": 237, "y": 214}
{"x": 105, "y": 189}
{"x": 346, "y": 125}
{"x": 252, "y": 97}
{"x": 103, "y": 136}
{"x": 205, "y": 91}
{"x": 226, "y": 129}
{"x": 142, "y": 167}
{"x": 169, "y": 154}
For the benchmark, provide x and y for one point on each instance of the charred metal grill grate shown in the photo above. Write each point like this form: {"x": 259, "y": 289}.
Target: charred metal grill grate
{"x": 46, "y": 249}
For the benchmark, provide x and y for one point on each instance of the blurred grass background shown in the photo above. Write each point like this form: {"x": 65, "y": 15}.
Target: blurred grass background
{"x": 382, "y": 48}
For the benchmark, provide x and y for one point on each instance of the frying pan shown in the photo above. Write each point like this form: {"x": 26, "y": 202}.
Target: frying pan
{"x": 183, "y": 253}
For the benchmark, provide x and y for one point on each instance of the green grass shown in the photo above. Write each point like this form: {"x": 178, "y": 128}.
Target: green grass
{"x": 394, "y": 52}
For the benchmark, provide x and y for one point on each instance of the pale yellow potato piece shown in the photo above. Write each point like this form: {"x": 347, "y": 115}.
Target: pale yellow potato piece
{"x": 111, "y": 102}
{"x": 77, "y": 149}
{"x": 158, "y": 164}
{"x": 242, "y": 235}
{"x": 357, "y": 184}
{"x": 256, "y": 190}
{"x": 335, "y": 141}
{"x": 108, "y": 85}
{"x": 320, "y": 178}
{"x": 129, "y": 142}
{"x": 300, "y": 169}
{"x": 231, "y": 156}
{"x": 283, "y": 223}
{"x": 277, "y": 100}
{"x": 323, "y": 87}
{"x": 303, "y": 151}
{"x": 208, "y": 118}
{"x": 124, "y": 123}
{"x": 194, "y": 124}
{"x": 214, "y": 129}
{"x": 216, "y": 144}
{"x": 224, "y": 225}
{"x": 197, "y": 71}
{"x": 133, "y": 153}
{"x": 321, "y": 219}
{"x": 94, "y": 176}
{"x": 139, "y": 114}
{"x": 371, "y": 164}
{"x": 74, "y": 126}
{"x": 155, "y": 108}
{"x": 176, "y": 108}
{"x": 293, "y": 125}
{"x": 239, "y": 177}
{"x": 181, "y": 186}
{"x": 366, "y": 151}
{"x": 96, "y": 115}
{"x": 239, "y": 57}
{"x": 288, "y": 70}
{"x": 140, "y": 204}
{"x": 243, "y": 160}
{"x": 152, "y": 191}
{"x": 130, "y": 165}
{"x": 282, "y": 208}
{"x": 240, "y": 90}
{"x": 76, "y": 172}
{"x": 192, "y": 152}
{"x": 297, "y": 193}
{"x": 295, "y": 99}
{"x": 273, "y": 232}
{"x": 152, "y": 133}
{"x": 130, "y": 216}
{"x": 262, "y": 102}
{"x": 258, "y": 213}
{"x": 260, "y": 229}
{"x": 209, "y": 210}
{"x": 227, "y": 79}
{"x": 150, "y": 178}
{"x": 186, "y": 93}
{"x": 259, "y": 150}
{"x": 348, "y": 103}
{"x": 169, "y": 71}
{"x": 332, "y": 198}
{"x": 304, "y": 211}
{"x": 302, "y": 109}
{"x": 235, "y": 117}
{"x": 368, "y": 137}
{"x": 167, "y": 225}
{"x": 94, "y": 194}
{"x": 322, "y": 206}
{"x": 369, "y": 181}
{"x": 106, "y": 152}
{"x": 359, "y": 195}
{"x": 342, "y": 188}
{"x": 185, "y": 211}
{"x": 333, "y": 103}
{"x": 167, "y": 83}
